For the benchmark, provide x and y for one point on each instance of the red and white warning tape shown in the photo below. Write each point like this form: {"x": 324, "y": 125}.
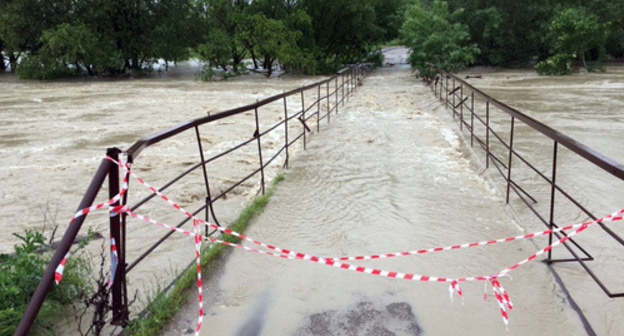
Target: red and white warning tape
{"x": 58, "y": 274}
{"x": 500, "y": 293}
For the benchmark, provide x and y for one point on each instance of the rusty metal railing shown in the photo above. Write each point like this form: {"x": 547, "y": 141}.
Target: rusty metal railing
{"x": 328, "y": 95}
{"x": 461, "y": 99}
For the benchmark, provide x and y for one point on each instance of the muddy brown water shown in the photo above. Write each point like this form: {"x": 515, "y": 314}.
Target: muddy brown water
{"x": 390, "y": 173}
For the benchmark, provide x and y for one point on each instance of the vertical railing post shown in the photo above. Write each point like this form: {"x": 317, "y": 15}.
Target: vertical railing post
{"x": 511, "y": 138}
{"x": 328, "y": 104}
{"x": 487, "y": 133}
{"x": 318, "y": 109}
{"x": 472, "y": 119}
{"x": 258, "y": 136}
{"x": 205, "y": 173}
{"x": 453, "y": 102}
{"x": 120, "y": 311}
{"x": 552, "y": 198}
{"x": 336, "y": 93}
{"x": 303, "y": 120}
{"x": 446, "y": 93}
{"x": 342, "y": 86}
{"x": 286, "y": 131}
{"x": 461, "y": 107}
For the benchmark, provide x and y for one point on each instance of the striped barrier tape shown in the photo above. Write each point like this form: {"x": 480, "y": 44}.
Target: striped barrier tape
{"x": 500, "y": 293}
{"x": 58, "y": 274}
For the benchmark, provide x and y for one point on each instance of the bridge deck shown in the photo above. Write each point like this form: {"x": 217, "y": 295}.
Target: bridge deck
{"x": 388, "y": 175}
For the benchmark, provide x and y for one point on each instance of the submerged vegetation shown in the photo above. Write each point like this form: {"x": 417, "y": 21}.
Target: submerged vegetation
{"x": 20, "y": 273}
{"x": 62, "y": 38}
{"x": 557, "y": 37}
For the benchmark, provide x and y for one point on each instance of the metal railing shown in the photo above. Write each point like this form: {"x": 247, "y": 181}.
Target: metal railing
{"x": 327, "y": 95}
{"x": 461, "y": 99}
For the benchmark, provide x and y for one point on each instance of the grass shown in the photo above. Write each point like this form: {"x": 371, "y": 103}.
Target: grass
{"x": 161, "y": 310}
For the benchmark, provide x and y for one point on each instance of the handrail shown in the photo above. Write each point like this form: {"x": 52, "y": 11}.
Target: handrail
{"x": 149, "y": 140}
{"x": 449, "y": 95}
{"x": 611, "y": 166}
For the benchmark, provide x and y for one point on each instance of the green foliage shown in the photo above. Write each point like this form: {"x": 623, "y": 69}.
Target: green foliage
{"x": 20, "y": 274}
{"x": 377, "y": 59}
{"x": 342, "y": 31}
{"x": 558, "y": 64}
{"x": 435, "y": 38}
{"x": 574, "y": 34}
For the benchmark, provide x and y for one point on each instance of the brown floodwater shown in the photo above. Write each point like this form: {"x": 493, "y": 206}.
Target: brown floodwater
{"x": 390, "y": 173}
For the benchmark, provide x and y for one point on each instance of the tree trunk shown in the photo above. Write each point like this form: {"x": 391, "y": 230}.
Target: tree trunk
{"x": 268, "y": 65}
{"x": 255, "y": 61}
{"x": 13, "y": 61}
{"x": 584, "y": 63}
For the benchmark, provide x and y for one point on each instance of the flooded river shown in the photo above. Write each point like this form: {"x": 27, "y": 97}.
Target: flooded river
{"x": 391, "y": 173}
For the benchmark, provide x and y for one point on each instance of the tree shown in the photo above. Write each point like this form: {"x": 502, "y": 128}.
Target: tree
{"x": 223, "y": 23}
{"x": 435, "y": 39}
{"x": 23, "y": 21}
{"x": 611, "y": 11}
{"x": 389, "y": 15}
{"x": 343, "y": 31}
{"x": 272, "y": 40}
{"x": 574, "y": 34}
{"x": 176, "y": 32}
{"x": 69, "y": 49}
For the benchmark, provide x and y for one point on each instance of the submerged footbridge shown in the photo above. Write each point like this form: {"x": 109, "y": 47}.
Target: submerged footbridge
{"x": 385, "y": 172}
{"x": 390, "y": 175}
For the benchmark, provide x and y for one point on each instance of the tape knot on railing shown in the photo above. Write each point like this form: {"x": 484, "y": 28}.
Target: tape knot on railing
{"x": 118, "y": 209}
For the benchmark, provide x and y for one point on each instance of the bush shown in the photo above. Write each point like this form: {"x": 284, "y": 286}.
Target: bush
{"x": 559, "y": 64}
{"x": 20, "y": 274}
{"x": 33, "y": 67}
{"x": 434, "y": 37}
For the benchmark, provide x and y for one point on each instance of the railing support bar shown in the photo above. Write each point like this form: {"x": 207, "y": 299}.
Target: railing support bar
{"x": 118, "y": 290}
{"x": 511, "y": 138}
{"x": 286, "y": 131}
{"x": 257, "y": 135}
{"x": 553, "y": 188}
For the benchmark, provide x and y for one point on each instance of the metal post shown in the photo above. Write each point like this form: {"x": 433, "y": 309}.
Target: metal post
{"x": 286, "y": 131}
{"x": 446, "y": 94}
{"x": 318, "y": 109}
{"x": 454, "y": 90}
{"x": 552, "y": 198}
{"x": 328, "y": 103}
{"x": 205, "y": 173}
{"x": 342, "y": 86}
{"x": 120, "y": 313}
{"x": 257, "y": 135}
{"x": 472, "y": 119}
{"x": 487, "y": 133}
{"x": 511, "y": 137}
{"x": 303, "y": 119}
{"x": 336, "y": 93}
{"x": 461, "y": 107}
